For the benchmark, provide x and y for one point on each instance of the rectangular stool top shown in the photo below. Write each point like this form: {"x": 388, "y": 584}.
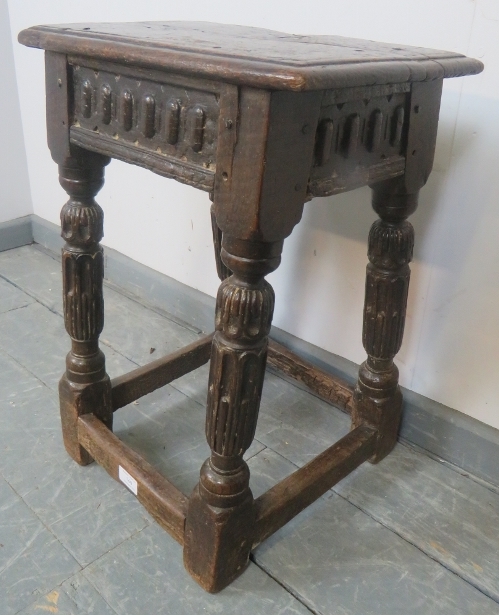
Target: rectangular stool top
{"x": 251, "y": 56}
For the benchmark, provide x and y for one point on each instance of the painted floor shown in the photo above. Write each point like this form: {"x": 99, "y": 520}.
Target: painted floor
{"x": 411, "y": 535}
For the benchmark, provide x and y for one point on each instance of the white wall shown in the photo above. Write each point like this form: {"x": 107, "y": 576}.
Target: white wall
{"x": 15, "y": 198}
{"x": 450, "y": 352}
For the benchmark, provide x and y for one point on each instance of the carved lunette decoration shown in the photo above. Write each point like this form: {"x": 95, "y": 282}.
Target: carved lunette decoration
{"x": 116, "y": 110}
{"x": 364, "y": 127}
{"x": 375, "y": 131}
{"x": 195, "y": 131}
{"x": 126, "y": 100}
{"x": 172, "y": 121}
{"x": 106, "y": 102}
{"x": 86, "y": 98}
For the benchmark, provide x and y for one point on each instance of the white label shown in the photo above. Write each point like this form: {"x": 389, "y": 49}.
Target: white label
{"x": 127, "y": 479}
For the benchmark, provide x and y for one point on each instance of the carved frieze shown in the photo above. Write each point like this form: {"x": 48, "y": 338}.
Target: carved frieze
{"x": 360, "y": 138}
{"x": 164, "y": 118}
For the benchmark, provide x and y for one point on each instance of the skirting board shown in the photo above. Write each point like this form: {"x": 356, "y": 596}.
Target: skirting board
{"x": 16, "y": 233}
{"x": 442, "y": 432}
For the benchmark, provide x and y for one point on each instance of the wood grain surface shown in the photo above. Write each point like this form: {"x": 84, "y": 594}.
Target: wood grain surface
{"x": 251, "y": 56}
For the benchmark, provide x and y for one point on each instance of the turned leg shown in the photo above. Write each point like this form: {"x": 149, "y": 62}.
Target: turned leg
{"x": 85, "y": 387}
{"x": 377, "y": 396}
{"x": 221, "y": 517}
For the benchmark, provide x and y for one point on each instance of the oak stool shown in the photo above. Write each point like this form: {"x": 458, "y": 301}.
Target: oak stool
{"x": 263, "y": 121}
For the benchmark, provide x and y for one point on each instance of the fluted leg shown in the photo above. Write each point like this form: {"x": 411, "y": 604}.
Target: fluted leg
{"x": 85, "y": 387}
{"x": 220, "y": 518}
{"x": 377, "y": 396}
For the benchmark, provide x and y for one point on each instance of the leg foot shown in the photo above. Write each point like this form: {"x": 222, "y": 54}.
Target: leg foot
{"x": 77, "y": 399}
{"x": 218, "y": 539}
{"x": 377, "y": 402}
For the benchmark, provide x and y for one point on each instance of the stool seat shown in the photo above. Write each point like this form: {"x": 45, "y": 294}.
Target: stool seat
{"x": 263, "y": 122}
{"x": 252, "y": 56}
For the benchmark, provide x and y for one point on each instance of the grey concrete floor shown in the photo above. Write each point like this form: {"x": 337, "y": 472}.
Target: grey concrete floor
{"x": 411, "y": 535}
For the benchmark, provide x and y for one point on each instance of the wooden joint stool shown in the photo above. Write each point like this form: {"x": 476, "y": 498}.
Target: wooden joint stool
{"x": 263, "y": 121}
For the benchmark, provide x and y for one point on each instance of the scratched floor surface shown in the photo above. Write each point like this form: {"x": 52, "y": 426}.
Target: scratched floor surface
{"x": 411, "y": 535}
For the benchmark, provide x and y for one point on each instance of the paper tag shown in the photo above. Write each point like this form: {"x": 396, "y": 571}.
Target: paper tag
{"x": 127, "y": 479}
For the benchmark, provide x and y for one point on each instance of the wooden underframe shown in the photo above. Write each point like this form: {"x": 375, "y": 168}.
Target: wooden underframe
{"x": 279, "y": 504}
